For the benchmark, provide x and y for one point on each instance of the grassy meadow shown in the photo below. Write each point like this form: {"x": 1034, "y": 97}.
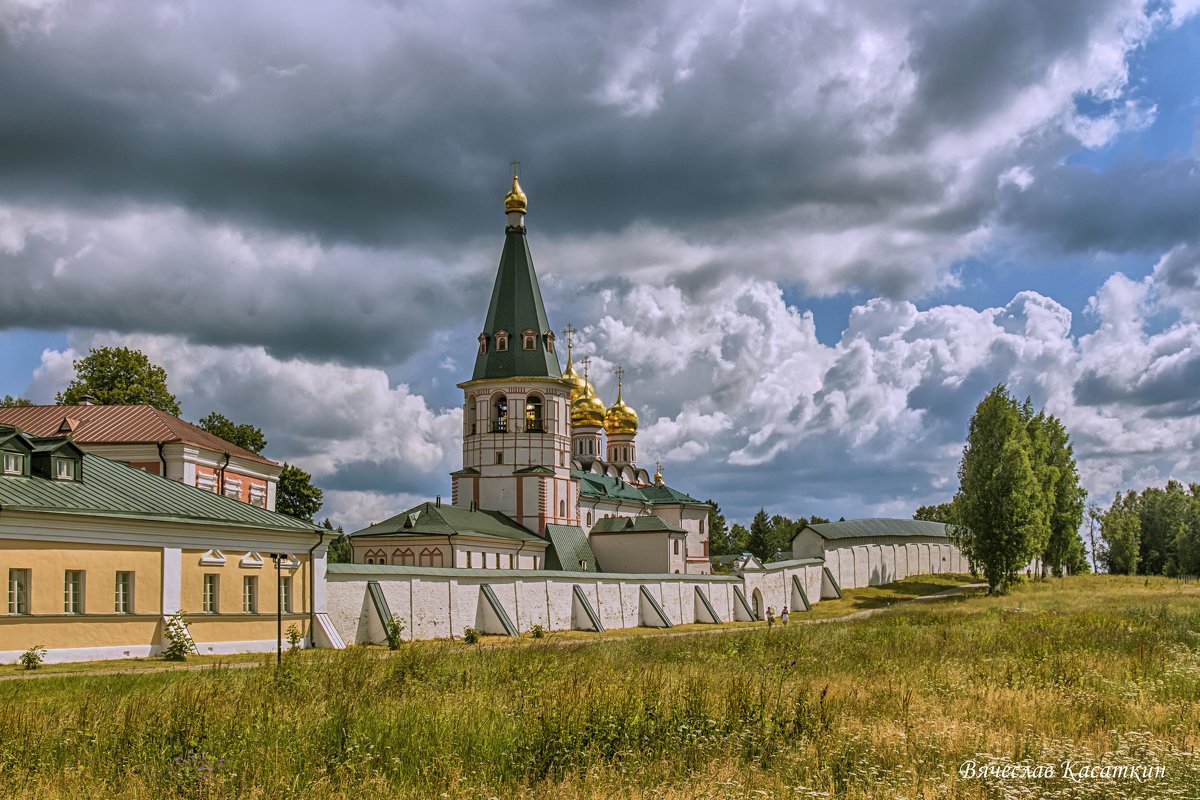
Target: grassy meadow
{"x": 1096, "y": 669}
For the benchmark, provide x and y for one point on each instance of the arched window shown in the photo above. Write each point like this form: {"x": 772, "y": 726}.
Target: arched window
{"x": 500, "y": 405}
{"x": 533, "y": 413}
{"x": 501, "y": 341}
{"x": 529, "y": 339}
{"x": 483, "y": 344}
{"x": 702, "y": 526}
{"x": 562, "y": 508}
{"x": 471, "y": 414}
{"x": 549, "y": 337}
{"x": 589, "y": 519}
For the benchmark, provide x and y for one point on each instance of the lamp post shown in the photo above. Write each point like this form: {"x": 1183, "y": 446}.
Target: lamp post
{"x": 278, "y": 559}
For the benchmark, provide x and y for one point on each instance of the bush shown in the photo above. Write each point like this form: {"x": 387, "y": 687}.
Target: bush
{"x": 33, "y": 657}
{"x": 537, "y": 632}
{"x": 293, "y": 637}
{"x": 471, "y": 635}
{"x": 393, "y": 630}
{"x": 179, "y": 642}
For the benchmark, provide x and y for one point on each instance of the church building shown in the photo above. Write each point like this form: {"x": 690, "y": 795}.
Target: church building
{"x": 550, "y": 478}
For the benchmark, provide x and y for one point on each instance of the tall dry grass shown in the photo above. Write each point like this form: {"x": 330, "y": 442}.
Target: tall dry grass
{"x": 1094, "y": 669}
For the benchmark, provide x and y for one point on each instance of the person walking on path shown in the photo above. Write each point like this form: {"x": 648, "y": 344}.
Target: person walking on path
{"x": 770, "y": 617}
{"x": 783, "y": 616}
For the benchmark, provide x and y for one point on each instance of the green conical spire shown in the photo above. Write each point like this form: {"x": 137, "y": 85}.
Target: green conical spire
{"x": 515, "y": 309}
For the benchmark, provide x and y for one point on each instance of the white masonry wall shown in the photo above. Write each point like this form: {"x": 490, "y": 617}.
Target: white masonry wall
{"x": 856, "y": 563}
{"x": 440, "y": 603}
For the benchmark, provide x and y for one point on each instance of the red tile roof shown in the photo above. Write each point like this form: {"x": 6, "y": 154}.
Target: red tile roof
{"x": 118, "y": 425}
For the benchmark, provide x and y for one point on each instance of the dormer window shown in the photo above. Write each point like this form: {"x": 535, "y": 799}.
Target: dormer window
{"x": 502, "y": 342}
{"x": 65, "y": 469}
{"x": 483, "y": 344}
{"x": 530, "y": 340}
{"x": 14, "y": 464}
{"x": 548, "y": 336}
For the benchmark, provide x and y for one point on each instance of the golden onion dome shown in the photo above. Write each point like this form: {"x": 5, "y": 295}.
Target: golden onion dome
{"x": 573, "y": 379}
{"x": 515, "y": 201}
{"x": 588, "y": 409}
{"x": 620, "y": 418}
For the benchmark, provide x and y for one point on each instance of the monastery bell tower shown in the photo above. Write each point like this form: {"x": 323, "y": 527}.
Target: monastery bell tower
{"x": 516, "y": 406}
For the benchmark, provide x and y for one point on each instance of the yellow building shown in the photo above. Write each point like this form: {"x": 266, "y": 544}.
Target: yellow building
{"x": 97, "y": 554}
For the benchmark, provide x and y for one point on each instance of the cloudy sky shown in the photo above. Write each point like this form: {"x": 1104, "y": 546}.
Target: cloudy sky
{"x": 814, "y": 234}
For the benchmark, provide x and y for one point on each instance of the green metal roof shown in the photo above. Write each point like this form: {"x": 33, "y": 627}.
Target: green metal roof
{"x": 110, "y": 488}
{"x": 665, "y": 494}
{"x": 858, "y": 528}
{"x": 430, "y": 519}
{"x": 606, "y": 487}
{"x": 644, "y": 524}
{"x": 515, "y": 308}
{"x": 568, "y": 547}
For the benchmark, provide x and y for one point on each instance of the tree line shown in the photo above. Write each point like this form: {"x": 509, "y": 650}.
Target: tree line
{"x": 125, "y": 376}
{"x": 1019, "y": 497}
{"x": 768, "y": 538}
{"x": 1152, "y": 532}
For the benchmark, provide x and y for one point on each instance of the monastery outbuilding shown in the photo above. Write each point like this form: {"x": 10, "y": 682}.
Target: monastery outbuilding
{"x": 97, "y": 553}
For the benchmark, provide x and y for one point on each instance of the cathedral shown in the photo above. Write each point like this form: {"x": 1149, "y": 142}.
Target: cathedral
{"x": 549, "y": 478}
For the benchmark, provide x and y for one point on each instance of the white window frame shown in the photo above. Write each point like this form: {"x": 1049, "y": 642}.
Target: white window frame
{"x": 211, "y": 599}
{"x": 123, "y": 592}
{"x": 249, "y": 594}
{"x": 18, "y": 591}
{"x": 14, "y": 463}
{"x": 74, "y": 591}
{"x": 64, "y": 469}
{"x": 285, "y": 593}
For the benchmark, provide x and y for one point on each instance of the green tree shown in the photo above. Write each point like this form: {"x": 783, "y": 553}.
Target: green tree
{"x": 14, "y": 402}
{"x": 1045, "y": 474}
{"x": 1161, "y": 512}
{"x": 245, "y": 435}
{"x": 115, "y": 376}
{"x": 942, "y": 512}
{"x": 1064, "y": 546}
{"x": 339, "y": 551}
{"x": 1002, "y": 524}
{"x": 1120, "y": 532}
{"x": 295, "y": 495}
{"x": 718, "y": 530}
{"x": 761, "y": 541}
{"x": 739, "y": 539}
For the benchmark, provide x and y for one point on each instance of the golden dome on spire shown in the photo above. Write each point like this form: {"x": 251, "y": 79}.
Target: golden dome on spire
{"x": 620, "y": 418}
{"x": 515, "y": 201}
{"x": 573, "y": 379}
{"x": 587, "y": 410}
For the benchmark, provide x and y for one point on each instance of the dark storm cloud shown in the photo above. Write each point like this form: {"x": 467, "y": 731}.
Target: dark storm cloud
{"x": 1168, "y": 386}
{"x": 404, "y": 134}
{"x": 974, "y": 58}
{"x": 1145, "y": 206}
{"x": 358, "y": 307}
